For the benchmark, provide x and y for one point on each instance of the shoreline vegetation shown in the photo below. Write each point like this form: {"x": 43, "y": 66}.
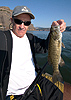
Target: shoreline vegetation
{"x": 5, "y": 15}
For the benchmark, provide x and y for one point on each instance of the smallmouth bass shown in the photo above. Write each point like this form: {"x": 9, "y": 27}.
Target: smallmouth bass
{"x": 54, "y": 52}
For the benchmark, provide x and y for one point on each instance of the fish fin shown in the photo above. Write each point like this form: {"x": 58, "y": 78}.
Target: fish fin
{"x": 57, "y": 77}
{"x": 63, "y": 45}
{"x": 61, "y": 62}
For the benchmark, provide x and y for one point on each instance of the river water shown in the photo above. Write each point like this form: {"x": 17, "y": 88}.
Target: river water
{"x": 66, "y": 55}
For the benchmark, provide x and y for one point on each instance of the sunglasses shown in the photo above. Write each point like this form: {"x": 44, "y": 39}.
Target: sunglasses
{"x": 18, "y": 21}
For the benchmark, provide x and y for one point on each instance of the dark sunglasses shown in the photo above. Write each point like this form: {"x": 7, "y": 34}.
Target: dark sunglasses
{"x": 18, "y": 21}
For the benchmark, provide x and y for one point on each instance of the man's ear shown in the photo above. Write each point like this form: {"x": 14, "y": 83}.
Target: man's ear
{"x": 11, "y": 20}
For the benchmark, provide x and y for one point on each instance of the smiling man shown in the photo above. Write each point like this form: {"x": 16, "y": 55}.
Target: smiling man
{"x": 19, "y": 68}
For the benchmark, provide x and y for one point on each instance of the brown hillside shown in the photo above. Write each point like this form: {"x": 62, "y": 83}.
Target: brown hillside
{"x": 5, "y": 14}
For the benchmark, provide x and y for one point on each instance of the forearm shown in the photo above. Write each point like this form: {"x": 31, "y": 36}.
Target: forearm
{"x": 67, "y": 91}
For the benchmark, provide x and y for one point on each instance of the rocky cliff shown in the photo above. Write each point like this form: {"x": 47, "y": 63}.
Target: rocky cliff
{"x": 5, "y": 14}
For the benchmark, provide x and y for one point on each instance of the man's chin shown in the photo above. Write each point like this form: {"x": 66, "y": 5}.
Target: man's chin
{"x": 21, "y": 34}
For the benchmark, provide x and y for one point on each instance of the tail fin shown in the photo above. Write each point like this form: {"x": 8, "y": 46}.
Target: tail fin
{"x": 57, "y": 77}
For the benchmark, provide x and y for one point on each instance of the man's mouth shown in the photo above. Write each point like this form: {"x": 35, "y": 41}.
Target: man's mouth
{"x": 22, "y": 29}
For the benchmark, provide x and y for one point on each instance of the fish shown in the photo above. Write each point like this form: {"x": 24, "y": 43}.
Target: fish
{"x": 54, "y": 52}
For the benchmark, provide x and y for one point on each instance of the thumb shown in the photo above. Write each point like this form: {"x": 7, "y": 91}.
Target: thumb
{"x": 55, "y": 23}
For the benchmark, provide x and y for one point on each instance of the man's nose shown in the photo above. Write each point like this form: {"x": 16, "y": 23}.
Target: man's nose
{"x": 22, "y": 25}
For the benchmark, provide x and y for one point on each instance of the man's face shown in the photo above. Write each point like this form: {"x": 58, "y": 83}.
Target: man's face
{"x": 20, "y": 29}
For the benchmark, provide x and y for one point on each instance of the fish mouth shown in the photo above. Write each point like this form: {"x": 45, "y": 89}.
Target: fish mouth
{"x": 55, "y": 32}
{"x": 56, "y": 27}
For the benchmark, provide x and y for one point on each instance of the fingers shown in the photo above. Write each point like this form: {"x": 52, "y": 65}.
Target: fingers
{"x": 62, "y": 29}
{"x": 55, "y": 23}
{"x": 61, "y": 23}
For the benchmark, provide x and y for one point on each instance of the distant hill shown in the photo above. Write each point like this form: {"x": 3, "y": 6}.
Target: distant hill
{"x": 68, "y": 28}
{"x": 5, "y": 15}
{"x": 42, "y": 29}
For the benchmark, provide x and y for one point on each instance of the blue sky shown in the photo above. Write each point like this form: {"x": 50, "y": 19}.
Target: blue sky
{"x": 45, "y": 11}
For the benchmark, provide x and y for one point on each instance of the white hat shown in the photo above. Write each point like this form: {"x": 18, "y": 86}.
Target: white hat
{"x": 22, "y": 9}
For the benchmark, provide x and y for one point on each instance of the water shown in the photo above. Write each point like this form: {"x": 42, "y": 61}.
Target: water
{"x": 66, "y": 55}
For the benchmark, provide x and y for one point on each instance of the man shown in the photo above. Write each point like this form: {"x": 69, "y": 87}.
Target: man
{"x": 19, "y": 68}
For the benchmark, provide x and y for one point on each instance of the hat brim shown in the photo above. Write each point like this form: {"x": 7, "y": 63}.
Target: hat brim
{"x": 30, "y": 14}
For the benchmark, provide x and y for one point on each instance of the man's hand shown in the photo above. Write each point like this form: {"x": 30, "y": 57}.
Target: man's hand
{"x": 61, "y": 23}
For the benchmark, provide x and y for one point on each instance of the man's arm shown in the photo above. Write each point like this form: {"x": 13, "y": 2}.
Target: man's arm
{"x": 67, "y": 91}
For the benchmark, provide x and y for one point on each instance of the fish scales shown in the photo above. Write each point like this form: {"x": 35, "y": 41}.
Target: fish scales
{"x": 54, "y": 51}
